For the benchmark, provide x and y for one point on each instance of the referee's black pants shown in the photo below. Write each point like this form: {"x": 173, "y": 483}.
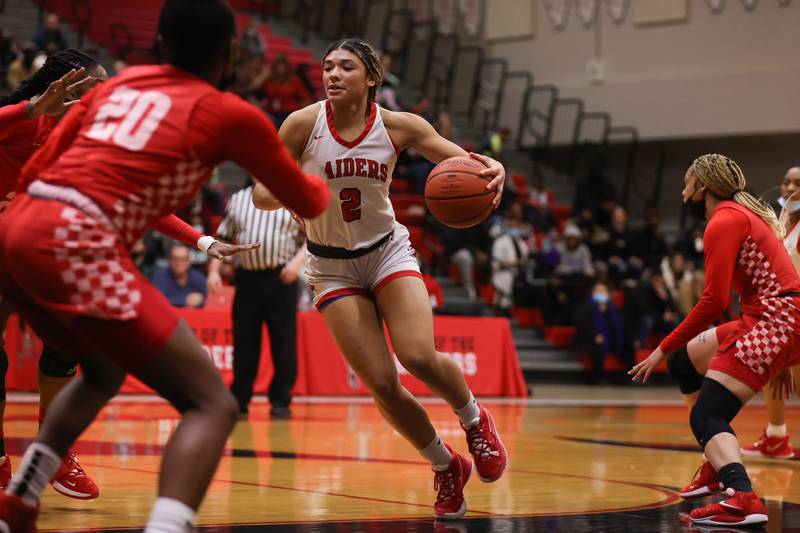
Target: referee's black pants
{"x": 261, "y": 297}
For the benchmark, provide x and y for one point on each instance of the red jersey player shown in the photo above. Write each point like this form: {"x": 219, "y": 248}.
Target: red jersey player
{"x": 720, "y": 370}
{"x": 135, "y": 149}
{"x": 24, "y": 126}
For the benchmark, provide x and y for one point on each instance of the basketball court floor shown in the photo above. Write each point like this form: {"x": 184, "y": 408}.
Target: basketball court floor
{"x": 582, "y": 459}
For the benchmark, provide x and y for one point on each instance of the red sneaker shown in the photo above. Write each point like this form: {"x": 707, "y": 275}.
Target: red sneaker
{"x": 705, "y": 481}
{"x": 5, "y": 471}
{"x": 72, "y": 481}
{"x": 16, "y": 516}
{"x": 757, "y": 448}
{"x": 449, "y": 484}
{"x": 741, "y": 509}
{"x": 486, "y": 448}
{"x": 774, "y": 447}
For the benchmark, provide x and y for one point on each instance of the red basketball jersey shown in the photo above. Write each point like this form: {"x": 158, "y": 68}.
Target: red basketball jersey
{"x": 141, "y": 145}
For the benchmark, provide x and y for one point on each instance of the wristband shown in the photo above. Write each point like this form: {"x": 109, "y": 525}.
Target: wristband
{"x": 205, "y": 242}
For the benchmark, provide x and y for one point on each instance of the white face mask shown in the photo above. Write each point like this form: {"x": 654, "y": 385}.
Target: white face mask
{"x": 789, "y": 205}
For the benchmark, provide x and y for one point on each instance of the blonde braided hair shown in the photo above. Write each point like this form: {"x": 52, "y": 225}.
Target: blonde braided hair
{"x": 725, "y": 179}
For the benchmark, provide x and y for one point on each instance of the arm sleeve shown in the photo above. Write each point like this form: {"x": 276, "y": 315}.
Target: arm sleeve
{"x": 172, "y": 226}
{"x": 57, "y": 143}
{"x": 233, "y": 129}
{"x": 722, "y": 241}
{"x": 12, "y": 116}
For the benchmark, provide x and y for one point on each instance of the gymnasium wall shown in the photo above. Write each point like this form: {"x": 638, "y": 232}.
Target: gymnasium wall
{"x": 672, "y": 68}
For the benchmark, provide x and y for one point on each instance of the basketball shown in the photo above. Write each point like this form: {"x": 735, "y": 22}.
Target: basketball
{"x": 456, "y": 193}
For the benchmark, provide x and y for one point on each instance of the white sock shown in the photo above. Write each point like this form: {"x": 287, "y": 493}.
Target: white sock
{"x": 776, "y": 431}
{"x": 39, "y": 464}
{"x": 437, "y": 454}
{"x": 470, "y": 414}
{"x": 171, "y": 516}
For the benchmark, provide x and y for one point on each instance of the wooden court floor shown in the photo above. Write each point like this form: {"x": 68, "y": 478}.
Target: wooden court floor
{"x": 606, "y": 466}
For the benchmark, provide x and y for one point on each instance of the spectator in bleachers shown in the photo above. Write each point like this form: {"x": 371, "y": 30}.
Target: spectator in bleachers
{"x": 7, "y": 56}
{"x": 143, "y": 259}
{"x": 595, "y": 196}
{"x": 118, "y": 66}
{"x": 571, "y": 278}
{"x": 677, "y": 277}
{"x": 599, "y": 330}
{"x": 49, "y": 38}
{"x": 468, "y": 249}
{"x": 510, "y": 253}
{"x": 251, "y": 75}
{"x": 537, "y": 210}
{"x": 285, "y": 92}
{"x": 302, "y": 73}
{"x": 23, "y": 67}
{"x": 387, "y": 93}
{"x": 494, "y": 144}
{"x": 648, "y": 244}
{"x": 689, "y": 294}
{"x": 691, "y": 246}
{"x": 252, "y": 43}
{"x": 618, "y": 255}
{"x": 179, "y": 282}
{"x": 654, "y": 307}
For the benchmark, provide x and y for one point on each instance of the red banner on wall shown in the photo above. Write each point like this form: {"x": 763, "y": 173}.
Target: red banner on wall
{"x": 482, "y": 347}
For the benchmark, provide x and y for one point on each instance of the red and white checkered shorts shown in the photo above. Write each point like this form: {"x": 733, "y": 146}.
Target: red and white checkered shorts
{"x": 756, "y": 347}
{"x": 71, "y": 277}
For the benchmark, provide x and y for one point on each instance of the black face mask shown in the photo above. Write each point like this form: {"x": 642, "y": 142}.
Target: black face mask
{"x": 696, "y": 208}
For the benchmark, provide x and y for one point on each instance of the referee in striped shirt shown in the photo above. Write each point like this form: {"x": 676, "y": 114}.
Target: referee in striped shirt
{"x": 266, "y": 291}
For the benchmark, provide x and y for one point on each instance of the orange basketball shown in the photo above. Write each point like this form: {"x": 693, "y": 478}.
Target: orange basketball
{"x": 456, "y": 193}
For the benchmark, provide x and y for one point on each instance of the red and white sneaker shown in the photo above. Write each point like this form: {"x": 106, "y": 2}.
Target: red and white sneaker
{"x": 449, "y": 484}
{"x": 486, "y": 448}
{"x": 5, "y": 471}
{"x": 16, "y": 516}
{"x": 741, "y": 509}
{"x": 774, "y": 447}
{"x": 72, "y": 481}
{"x": 705, "y": 481}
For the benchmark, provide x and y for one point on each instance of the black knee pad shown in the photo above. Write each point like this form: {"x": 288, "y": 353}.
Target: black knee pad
{"x": 3, "y": 370}
{"x": 680, "y": 367}
{"x": 54, "y": 364}
{"x": 716, "y": 407}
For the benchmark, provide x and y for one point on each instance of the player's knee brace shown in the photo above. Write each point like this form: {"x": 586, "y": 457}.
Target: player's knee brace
{"x": 3, "y": 371}
{"x": 54, "y": 364}
{"x": 680, "y": 367}
{"x": 712, "y": 414}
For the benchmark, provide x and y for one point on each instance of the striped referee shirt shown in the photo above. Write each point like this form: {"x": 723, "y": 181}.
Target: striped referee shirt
{"x": 277, "y": 232}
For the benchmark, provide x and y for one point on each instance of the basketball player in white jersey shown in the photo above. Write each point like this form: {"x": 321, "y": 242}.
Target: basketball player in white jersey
{"x": 774, "y": 442}
{"x": 362, "y": 268}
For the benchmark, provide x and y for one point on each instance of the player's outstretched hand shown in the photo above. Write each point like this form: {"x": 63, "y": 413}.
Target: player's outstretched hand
{"x": 642, "y": 371}
{"x": 496, "y": 171}
{"x": 218, "y": 250}
{"x": 60, "y": 95}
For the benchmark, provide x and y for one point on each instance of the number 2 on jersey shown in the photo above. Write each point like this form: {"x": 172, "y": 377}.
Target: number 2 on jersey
{"x": 351, "y": 204}
{"x": 142, "y": 112}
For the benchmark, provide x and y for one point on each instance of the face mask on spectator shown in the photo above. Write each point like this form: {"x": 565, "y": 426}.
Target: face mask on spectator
{"x": 600, "y": 297}
{"x": 789, "y": 205}
{"x": 698, "y": 245}
{"x": 515, "y": 233}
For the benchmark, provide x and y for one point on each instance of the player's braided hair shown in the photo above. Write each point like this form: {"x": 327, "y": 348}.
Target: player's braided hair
{"x": 56, "y": 66}
{"x": 368, "y": 56}
{"x": 725, "y": 179}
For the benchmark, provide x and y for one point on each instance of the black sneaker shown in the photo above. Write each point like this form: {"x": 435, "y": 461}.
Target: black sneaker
{"x": 280, "y": 411}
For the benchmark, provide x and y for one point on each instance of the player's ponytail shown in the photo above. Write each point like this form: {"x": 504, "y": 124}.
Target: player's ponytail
{"x": 724, "y": 178}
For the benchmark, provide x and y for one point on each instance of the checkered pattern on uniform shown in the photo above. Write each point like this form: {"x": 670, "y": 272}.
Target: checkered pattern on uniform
{"x": 132, "y": 215}
{"x": 88, "y": 254}
{"x": 770, "y": 335}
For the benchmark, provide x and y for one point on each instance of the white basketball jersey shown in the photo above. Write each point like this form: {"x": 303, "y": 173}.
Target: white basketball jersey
{"x": 790, "y": 243}
{"x": 359, "y": 174}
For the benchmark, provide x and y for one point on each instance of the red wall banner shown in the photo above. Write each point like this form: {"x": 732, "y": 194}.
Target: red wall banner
{"x": 482, "y": 347}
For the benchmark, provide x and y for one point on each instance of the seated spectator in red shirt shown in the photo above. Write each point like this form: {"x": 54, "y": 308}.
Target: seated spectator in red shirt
{"x": 179, "y": 282}
{"x": 285, "y": 92}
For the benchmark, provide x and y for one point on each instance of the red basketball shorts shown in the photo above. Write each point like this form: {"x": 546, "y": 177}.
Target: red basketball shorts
{"x": 71, "y": 278}
{"x": 756, "y": 347}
